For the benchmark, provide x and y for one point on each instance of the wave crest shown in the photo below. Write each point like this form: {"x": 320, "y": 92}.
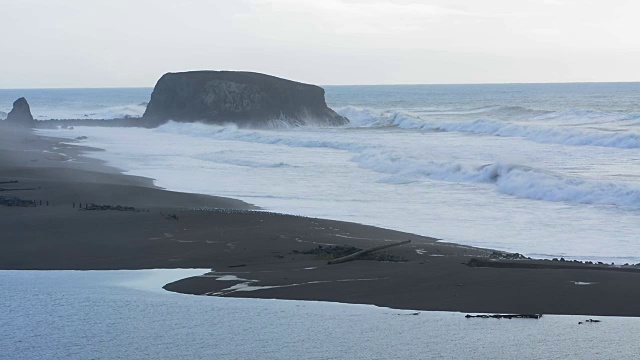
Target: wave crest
{"x": 552, "y": 133}
{"x": 511, "y": 179}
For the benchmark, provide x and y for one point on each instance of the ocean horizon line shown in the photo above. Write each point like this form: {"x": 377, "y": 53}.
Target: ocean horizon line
{"x": 349, "y": 85}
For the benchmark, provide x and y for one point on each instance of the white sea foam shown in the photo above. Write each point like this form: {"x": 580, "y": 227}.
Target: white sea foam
{"x": 231, "y": 132}
{"x": 624, "y": 137}
{"x": 116, "y": 112}
{"x": 93, "y": 112}
{"x": 544, "y": 134}
{"x": 512, "y": 179}
{"x": 99, "y": 112}
{"x": 224, "y": 157}
{"x": 360, "y": 117}
{"x": 363, "y": 117}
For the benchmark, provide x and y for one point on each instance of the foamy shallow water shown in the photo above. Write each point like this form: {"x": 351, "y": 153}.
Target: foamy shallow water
{"x": 124, "y": 315}
{"x": 434, "y": 184}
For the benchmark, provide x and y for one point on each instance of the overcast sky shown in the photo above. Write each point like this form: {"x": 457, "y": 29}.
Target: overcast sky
{"x": 122, "y": 43}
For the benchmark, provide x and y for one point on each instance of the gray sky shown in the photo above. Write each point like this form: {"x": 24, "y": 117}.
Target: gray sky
{"x": 118, "y": 43}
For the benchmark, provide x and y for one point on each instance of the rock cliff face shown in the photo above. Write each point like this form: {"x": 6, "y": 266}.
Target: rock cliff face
{"x": 20, "y": 114}
{"x": 243, "y": 98}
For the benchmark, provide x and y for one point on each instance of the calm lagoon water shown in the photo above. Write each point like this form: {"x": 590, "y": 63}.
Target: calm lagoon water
{"x": 126, "y": 315}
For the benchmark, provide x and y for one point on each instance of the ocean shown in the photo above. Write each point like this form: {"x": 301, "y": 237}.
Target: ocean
{"x": 546, "y": 170}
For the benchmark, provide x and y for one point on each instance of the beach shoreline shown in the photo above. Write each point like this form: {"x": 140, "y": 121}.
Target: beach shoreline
{"x": 262, "y": 254}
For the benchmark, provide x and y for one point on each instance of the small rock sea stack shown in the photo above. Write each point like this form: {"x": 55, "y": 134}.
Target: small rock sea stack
{"x": 244, "y": 98}
{"x": 20, "y": 114}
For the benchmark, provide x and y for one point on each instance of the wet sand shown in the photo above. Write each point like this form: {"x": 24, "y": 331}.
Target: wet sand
{"x": 176, "y": 230}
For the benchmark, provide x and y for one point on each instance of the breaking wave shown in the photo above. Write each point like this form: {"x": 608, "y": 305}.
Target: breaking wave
{"x": 362, "y": 117}
{"x": 511, "y": 179}
{"x": 115, "y": 112}
{"x": 233, "y": 133}
{"x": 224, "y": 158}
{"x": 100, "y": 112}
{"x": 544, "y": 134}
{"x": 587, "y": 134}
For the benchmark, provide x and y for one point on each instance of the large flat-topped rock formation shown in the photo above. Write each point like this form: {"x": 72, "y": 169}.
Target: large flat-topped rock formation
{"x": 243, "y": 98}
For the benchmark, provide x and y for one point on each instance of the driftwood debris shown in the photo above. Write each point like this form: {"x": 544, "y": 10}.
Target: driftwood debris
{"x": 330, "y": 252}
{"x": 360, "y": 253}
{"x": 92, "y": 206}
{"x": 16, "y": 201}
{"x": 507, "y": 316}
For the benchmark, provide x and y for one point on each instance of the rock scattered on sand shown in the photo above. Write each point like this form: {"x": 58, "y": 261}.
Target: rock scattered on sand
{"x": 20, "y": 114}
{"x": 171, "y": 217}
{"x": 505, "y": 255}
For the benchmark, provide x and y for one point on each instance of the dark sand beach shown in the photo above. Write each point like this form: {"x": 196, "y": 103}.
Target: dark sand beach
{"x": 154, "y": 228}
